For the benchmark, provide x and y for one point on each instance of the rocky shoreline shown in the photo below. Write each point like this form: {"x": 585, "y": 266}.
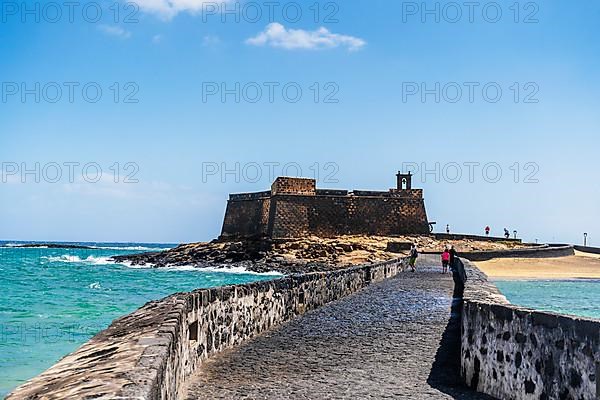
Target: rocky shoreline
{"x": 310, "y": 254}
{"x": 261, "y": 256}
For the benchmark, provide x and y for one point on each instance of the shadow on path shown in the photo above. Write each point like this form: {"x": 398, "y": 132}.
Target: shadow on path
{"x": 445, "y": 371}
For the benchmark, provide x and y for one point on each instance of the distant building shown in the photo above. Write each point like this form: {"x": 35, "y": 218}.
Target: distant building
{"x": 294, "y": 208}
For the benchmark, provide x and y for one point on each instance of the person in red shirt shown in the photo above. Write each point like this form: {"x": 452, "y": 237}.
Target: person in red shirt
{"x": 487, "y": 230}
{"x": 445, "y": 260}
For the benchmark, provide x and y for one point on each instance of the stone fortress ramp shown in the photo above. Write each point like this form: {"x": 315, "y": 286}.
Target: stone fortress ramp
{"x": 370, "y": 331}
{"x": 150, "y": 353}
{"x": 390, "y": 340}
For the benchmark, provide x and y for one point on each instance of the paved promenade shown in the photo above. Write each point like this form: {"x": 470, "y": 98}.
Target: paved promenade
{"x": 392, "y": 340}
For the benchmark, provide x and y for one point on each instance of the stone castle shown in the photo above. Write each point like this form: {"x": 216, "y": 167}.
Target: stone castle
{"x": 294, "y": 207}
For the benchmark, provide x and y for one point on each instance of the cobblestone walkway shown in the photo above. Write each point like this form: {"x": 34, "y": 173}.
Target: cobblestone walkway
{"x": 392, "y": 340}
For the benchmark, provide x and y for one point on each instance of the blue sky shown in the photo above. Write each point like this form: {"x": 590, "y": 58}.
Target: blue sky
{"x": 364, "y": 58}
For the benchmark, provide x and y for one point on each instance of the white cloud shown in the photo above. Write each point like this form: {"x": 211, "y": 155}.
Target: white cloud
{"x": 168, "y": 9}
{"x": 210, "y": 40}
{"x": 115, "y": 31}
{"x": 157, "y": 39}
{"x": 276, "y": 35}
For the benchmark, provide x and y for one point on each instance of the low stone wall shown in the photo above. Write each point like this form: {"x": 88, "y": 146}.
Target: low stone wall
{"x": 588, "y": 249}
{"x": 460, "y": 236}
{"x": 149, "y": 354}
{"x": 541, "y": 251}
{"x": 512, "y": 352}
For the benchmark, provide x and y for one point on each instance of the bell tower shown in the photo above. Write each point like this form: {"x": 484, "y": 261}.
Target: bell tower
{"x": 404, "y": 181}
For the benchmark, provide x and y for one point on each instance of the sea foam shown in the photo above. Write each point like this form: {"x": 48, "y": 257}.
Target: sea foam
{"x": 92, "y": 260}
{"x": 66, "y": 258}
{"x": 224, "y": 270}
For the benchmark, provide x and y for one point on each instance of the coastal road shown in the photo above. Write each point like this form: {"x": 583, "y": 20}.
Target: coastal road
{"x": 391, "y": 340}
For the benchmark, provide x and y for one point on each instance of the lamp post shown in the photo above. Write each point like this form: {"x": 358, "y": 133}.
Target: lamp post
{"x": 515, "y": 233}
{"x": 585, "y": 239}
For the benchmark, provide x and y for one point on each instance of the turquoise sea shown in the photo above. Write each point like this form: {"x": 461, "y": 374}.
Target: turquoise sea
{"x": 576, "y": 297}
{"x": 53, "y": 300}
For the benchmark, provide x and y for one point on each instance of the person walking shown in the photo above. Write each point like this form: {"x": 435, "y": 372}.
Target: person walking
{"x": 453, "y": 256}
{"x": 412, "y": 257}
{"x": 445, "y": 260}
{"x": 459, "y": 276}
{"x": 448, "y": 228}
{"x": 487, "y": 230}
{"x": 506, "y": 233}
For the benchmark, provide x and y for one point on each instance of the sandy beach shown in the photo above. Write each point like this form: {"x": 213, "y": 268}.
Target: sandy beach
{"x": 579, "y": 266}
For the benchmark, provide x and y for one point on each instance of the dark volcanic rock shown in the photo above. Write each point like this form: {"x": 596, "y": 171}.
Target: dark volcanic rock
{"x": 53, "y": 246}
{"x": 254, "y": 255}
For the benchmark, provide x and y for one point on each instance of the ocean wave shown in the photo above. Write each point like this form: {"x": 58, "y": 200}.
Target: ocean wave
{"x": 92, "y": 260}
{"x": 66, "y": 258}
{"x": 224, "y": 270}
{"x": 126, "y": 248}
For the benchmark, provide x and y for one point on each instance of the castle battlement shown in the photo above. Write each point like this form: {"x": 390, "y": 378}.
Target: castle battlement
{"x": 294, "y": 207}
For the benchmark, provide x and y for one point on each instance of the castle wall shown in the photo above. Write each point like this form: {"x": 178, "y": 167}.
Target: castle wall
{"x": 294, "y": 207}
{"x": 326, "y": 216}
{"x": 286, "y": 185}
{"x": 246, "y": 216}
